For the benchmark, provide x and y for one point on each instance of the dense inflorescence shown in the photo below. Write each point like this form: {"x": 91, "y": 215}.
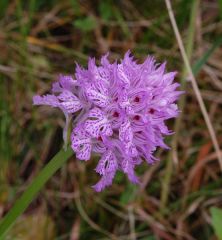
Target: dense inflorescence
{"x": 118, "y": 110}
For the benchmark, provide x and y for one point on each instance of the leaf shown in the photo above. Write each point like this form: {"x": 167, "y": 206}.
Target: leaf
{"x": 198, "y": 65}
{"x": 86, "y": 24}
{"x": 217, "y": 221}
{"x": 33, "y": 189}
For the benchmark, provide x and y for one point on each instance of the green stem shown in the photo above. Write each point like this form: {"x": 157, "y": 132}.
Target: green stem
{"x": 27, "y": 197}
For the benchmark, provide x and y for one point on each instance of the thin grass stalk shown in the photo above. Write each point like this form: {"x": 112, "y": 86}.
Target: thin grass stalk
{"x": 173, "y": 155}
{"x": 194, "y": 83}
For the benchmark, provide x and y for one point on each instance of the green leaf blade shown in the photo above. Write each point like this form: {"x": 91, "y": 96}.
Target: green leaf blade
{"x": 216, "y": 214}
{"x": 33, "y": 189}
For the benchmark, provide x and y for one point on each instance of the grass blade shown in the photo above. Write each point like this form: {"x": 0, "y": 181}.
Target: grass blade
{"x": 198, "y": 65}
{"x": 216, "y": 221}
{"x": 27, "y": 197}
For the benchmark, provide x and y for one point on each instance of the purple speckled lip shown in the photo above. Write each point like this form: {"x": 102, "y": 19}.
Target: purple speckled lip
{"x": 122, "y": 108}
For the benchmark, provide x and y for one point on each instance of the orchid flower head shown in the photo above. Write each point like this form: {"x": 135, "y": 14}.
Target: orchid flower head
{"x": 119, "y": 111}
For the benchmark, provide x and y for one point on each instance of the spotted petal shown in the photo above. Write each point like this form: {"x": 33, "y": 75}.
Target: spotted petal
{"x": 124, "y": 102}
{"x": 97, "y": 124}
{"x": 98, "y": 95}
{"x": 81, "y": 144}
{"x": 108, "y": 163}
{"x": 125, "y": 132}
{"x": 69, "y": 102}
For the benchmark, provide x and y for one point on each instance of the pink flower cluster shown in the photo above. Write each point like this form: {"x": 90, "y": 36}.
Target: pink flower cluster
{"x": 118, "y": 111}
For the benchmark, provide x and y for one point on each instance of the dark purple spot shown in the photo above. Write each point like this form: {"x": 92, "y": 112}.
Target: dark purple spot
{"x": 151, "y": 111}
{"x": 116, "y": 114}
{"x": 136, "y": 99}
{"x": 100, "y": 139}
{"x": 137, "y": 118}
